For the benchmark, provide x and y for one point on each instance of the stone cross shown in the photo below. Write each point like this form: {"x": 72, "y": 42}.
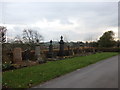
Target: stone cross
{"x": 17, "y": 55}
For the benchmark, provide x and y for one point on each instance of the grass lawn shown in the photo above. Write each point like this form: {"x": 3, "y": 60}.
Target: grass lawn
{"x": 25, "y": 77}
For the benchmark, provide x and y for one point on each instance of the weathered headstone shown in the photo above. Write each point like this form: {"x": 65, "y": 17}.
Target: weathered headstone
{"x": 27, "y": 54}
{"x": 50, "y": 53}
{"x": 68, "y": 50}
{"x": 94, "y": 51}
{"x": 17, "y": 55}
{"x": 72, "y": 51}
{"x": 78, "y": 51}
{"x": 61, "y": 49}
{"x": 37, "y": 53}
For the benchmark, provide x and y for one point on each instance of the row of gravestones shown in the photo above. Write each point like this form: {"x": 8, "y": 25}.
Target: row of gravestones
{"x": 17, "y": 55}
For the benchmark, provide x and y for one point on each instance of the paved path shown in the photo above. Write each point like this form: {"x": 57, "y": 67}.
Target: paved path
{"x": 103, "y": 74}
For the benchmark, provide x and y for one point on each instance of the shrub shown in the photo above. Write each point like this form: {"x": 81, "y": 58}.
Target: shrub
{"x": 7, "y": 66}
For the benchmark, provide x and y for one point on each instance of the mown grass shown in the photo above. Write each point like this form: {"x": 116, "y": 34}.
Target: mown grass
{"x": 25, "y": 77}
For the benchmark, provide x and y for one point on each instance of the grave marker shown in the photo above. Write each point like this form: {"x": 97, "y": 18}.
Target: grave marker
{"x": 17, "y": 55}
{"x": 37, "y": 53}
{"x": 50, "y": 53}
{"x": 61, "y": 50}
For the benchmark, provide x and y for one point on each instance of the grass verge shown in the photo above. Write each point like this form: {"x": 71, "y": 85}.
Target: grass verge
{"x": 30, "y": 76}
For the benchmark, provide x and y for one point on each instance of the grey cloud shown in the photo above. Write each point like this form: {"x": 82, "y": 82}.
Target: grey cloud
{"x": 94, "y": 15}
{"x": 31, "y": 12}
{"x": 65, "y": 21}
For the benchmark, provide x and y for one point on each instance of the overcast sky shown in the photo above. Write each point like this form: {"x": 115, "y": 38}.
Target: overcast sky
{"x": 76, "y": 21}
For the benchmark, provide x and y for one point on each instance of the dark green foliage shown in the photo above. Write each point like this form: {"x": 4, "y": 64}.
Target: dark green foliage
{"x": 107, "y": 40}
{"x": 118, "y": 43}
{"x": 6, "y": 66}
{"x": 104, "y": 49}
{"x": 93, "y": 44}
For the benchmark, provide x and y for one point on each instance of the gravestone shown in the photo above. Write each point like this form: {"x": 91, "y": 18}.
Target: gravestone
{"x": 37, "y": 53}
{"x": 78, "y": 51}
{"x": 17, "y": 55}
{"x": 68, "y": 50}
{"x": 27, "y": 54}
{"x": 61, "y": 49}
{"x": 94, "y": 51}
{"x": 72, "y": 51}
{"x": 50, "y": 53}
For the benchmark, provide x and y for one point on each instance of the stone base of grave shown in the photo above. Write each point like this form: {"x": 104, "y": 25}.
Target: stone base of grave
{"x": 41, "y": 61}
{"x": 50, "y": 55}
{"x": 51, "y": 59}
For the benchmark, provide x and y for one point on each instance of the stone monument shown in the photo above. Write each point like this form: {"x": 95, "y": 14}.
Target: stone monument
{"x": 27, "y": 54}
{"x": 72, "y": 51}
{"x": 61, "y": 49}
{"x": 17, "y": 55}
{"x": 50, "y": 53}
{"x": 68, "y": 47}
{"x": 37, "y": 53}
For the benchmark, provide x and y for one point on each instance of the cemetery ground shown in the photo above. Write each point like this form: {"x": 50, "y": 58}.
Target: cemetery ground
{"x": 31, "y": 76}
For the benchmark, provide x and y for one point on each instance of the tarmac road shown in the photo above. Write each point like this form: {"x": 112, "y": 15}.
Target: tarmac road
{"x": 103, "y": 74}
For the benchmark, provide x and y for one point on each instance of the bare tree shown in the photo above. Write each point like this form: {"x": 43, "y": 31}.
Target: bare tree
{"x": 2, "y": 34}
{"x": 30, "y": 36}
{"x": 37, "y": 36}
{"x": 18, "y": 39}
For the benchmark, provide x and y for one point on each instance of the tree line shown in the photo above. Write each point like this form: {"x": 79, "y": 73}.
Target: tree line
{"x": 31, "y": 36}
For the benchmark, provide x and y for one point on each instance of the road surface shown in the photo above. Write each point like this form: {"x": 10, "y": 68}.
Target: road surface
{"x": 103, "y": 74}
